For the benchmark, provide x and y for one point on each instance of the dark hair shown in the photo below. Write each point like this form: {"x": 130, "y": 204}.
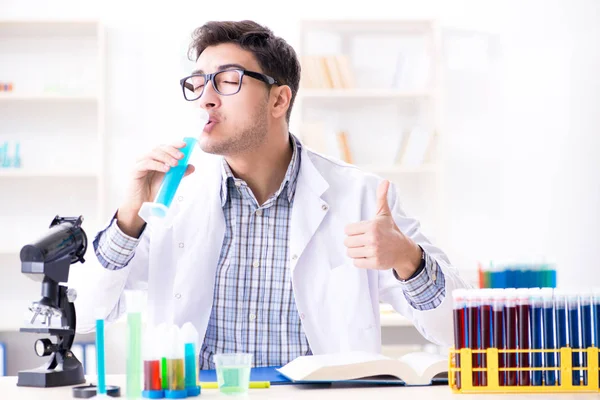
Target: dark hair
{"x": 274, "y": 55}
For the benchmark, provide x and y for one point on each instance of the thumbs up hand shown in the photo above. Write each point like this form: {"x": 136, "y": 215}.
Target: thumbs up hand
{"x": 379, "y": 243}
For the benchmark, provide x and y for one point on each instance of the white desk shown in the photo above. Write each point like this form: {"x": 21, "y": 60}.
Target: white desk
{"x": 10, "y": 391}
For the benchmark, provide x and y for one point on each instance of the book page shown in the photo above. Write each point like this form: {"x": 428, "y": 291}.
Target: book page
{"x": 426, "y": 364}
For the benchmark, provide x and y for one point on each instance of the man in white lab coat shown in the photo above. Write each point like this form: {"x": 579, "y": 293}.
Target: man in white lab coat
{"x": 274, "y": 250}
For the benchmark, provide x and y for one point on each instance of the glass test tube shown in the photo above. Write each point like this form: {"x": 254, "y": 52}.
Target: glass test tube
{"x": 510, "y": 313}
{"x": 175, "y": 364}
{"x": 499, "y": 340}
{"x": 134, "y": 354}
{"x": 585, "y": 301}
{"x": 474, "y": 339}
{"x": 190, "y": 339}
{"x": 152, "y": 373}
{"x": 536, "y": 335}
{"x": 460, "y": 336}
{"x": 560, "y": 307}
{"x": 548, "y": 333}
{"x": 596, "y": 317}
{"x": 487, "y": 331}
{"x": 574, "y": 336}
{"x": 523, "y": 341}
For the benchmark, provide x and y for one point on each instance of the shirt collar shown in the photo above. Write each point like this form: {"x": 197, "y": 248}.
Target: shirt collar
{"x": 289, "y": 181}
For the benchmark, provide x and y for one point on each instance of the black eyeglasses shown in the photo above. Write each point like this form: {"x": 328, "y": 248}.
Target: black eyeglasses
{"x": 226, "y": 83}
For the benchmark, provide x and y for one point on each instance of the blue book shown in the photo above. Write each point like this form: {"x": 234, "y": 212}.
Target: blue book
{"x": 2, "y": 359}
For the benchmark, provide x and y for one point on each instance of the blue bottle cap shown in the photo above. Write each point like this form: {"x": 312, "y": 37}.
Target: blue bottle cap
{"x": 153, "y": 394}
{"x": 175, "y": 394}
{"x": 193, "y": 391}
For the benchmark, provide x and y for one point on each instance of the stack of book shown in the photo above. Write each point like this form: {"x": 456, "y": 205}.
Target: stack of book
{"x": 327, "y": 72}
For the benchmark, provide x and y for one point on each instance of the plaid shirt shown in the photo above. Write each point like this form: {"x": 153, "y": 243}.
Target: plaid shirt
{"x": 254, "y": 310}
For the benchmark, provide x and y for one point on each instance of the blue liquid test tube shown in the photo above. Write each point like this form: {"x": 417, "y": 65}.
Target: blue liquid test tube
{"x": 549, "y": 340}
{"x": 159, "y": 209}
{"x": 596, "y": 316}
{"x": 574, "y": 336}
{"x": 536, "y": 335}
{"x": 100, "y": 352}
{"x": 560, "y": 306}
{"x": 585, "y": 313}
{"x": 190, "y": 339}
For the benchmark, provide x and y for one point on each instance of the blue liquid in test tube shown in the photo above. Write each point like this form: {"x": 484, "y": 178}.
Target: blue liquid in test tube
{"x": 100, "y": 366}
{"x": 585, "y": 314}
{"x": 560, "y": 304}
{"x": 549, "y": 341}
{"x": 574, "y": 336}
{"x": 159, "y": 209}
{"x": 536, "y": 335}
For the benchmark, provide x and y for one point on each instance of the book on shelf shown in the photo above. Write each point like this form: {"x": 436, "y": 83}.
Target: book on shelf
{"x": 344, "y": 147}
{"x": 417, "y": 368}
{"x": 326, "y": 72}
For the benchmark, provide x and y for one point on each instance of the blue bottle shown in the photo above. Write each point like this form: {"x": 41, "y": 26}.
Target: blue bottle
{"x": 159, "y": 209}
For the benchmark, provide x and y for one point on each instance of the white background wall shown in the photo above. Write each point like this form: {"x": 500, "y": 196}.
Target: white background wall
{"x": 521, "y": 137}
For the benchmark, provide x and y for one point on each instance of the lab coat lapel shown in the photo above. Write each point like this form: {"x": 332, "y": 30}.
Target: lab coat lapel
{"x": 308, "y": 210}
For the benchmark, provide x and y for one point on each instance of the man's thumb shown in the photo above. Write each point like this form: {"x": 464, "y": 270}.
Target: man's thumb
{"x": 383, "y": 207}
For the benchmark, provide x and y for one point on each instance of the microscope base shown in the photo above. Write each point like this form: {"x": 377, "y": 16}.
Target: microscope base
{"x": 41, "y": 378}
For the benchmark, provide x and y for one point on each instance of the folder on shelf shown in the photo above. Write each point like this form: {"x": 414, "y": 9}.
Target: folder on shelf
{"x": 344, "y": 147}
{"x": 2, "y": 359}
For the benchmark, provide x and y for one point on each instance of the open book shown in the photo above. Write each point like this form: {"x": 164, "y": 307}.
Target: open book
{"x": 410, "y": 369}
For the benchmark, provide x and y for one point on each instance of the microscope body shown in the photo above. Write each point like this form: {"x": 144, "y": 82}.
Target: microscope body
{"x": 48, "y": 261}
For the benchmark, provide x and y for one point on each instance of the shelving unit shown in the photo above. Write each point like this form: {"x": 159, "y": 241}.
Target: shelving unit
{"x": 56, "y": 112}
{"x": 396, "y": 86}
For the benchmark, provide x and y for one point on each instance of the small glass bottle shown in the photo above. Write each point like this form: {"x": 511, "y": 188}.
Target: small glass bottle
{"x": 190, "y": 340}
{"x": 175, "y": 364}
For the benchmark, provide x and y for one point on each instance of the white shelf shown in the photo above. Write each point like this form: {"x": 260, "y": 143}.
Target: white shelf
{"x": 55, "y": 97}
{"x": 398, "y": 169}
{"x": 23, "y": 173}
{"x": 361, "y": 94}
{"x": 75, "y": 28}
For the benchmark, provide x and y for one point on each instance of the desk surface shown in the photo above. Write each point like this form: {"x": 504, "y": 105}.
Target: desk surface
{"x": 10, "y": 391}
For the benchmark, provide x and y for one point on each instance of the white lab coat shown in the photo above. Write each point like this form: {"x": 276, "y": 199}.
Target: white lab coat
{"x": 338, "y": 303}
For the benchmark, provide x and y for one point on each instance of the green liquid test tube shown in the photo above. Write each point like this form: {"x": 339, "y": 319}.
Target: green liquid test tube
{"x": 176, "y": 374}
{"x": 175, "y": 364}
{"x": 164, "y": 373}
{"x": 134, "y": 355}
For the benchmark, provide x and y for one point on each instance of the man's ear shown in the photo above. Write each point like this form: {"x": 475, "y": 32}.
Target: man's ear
{"x": 283, "y": 96}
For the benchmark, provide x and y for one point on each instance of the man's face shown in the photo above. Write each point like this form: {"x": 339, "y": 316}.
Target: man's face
{"x": 238, "y": 123}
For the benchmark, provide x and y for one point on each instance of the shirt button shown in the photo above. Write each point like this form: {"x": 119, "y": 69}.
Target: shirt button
{"x": 302, "y": 316}
{"x": 181, "y": 245}
{"x": 180, "y": 198}
{"x": 294, "y": 257}
{"x": 324, "y": 207}
{"x": 259, "y": 213}
{"x": 255, "y": 264}
{"x": 177, "y": 296}
{"x": 252, "y": 317}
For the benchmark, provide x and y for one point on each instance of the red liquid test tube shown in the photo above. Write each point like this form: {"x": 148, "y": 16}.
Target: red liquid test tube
{"x": 474, "y": 329}
{"x": 499, "y": 339}
{"x": 486, "y": 330}
{"x": 152, "y": 372}
{"x": 510, "y": 322}
{"x": 524, "y": 340}
{"x": 460, "y": 329}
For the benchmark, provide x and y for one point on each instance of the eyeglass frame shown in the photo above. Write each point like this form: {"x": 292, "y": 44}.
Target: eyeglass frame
{"x": 242, "y": 72}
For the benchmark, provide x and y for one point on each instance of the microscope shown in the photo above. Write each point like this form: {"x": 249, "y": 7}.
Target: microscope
{"x": 48, "y": 260}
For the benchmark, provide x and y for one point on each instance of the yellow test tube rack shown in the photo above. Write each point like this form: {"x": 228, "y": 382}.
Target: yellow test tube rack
{"x": 492, "y": 370}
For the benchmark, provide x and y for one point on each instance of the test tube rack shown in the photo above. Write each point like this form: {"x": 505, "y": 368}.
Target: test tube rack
{"x": 493, "y": 371}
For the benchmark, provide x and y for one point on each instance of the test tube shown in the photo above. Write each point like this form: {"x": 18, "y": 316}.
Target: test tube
{"x": 190, "y": 339}
{"x": 574, "y": 336}
{"x": 523, "y": 315}
{"x": 549, "y": 339}
{"x": 460, "y": 328}
{"x": 100, "y": 354}
{"x": 499, "y": 340}
{"x": 537, "y": 327}
{"x": 585, "y": 302}
{"x": 175, "y": 364}
{"x": 474, "y": 336}
{"x": 134, "y": 347}
{"x": 159, "y": 209}
{"x": 160, "y": 332}
{"x": 562, "y": 340}
{"x": 596, "y": 316}
{"x": 510, "y": 313}
{"x": 152, "y": 376}
{"x": 487, "y": 331}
